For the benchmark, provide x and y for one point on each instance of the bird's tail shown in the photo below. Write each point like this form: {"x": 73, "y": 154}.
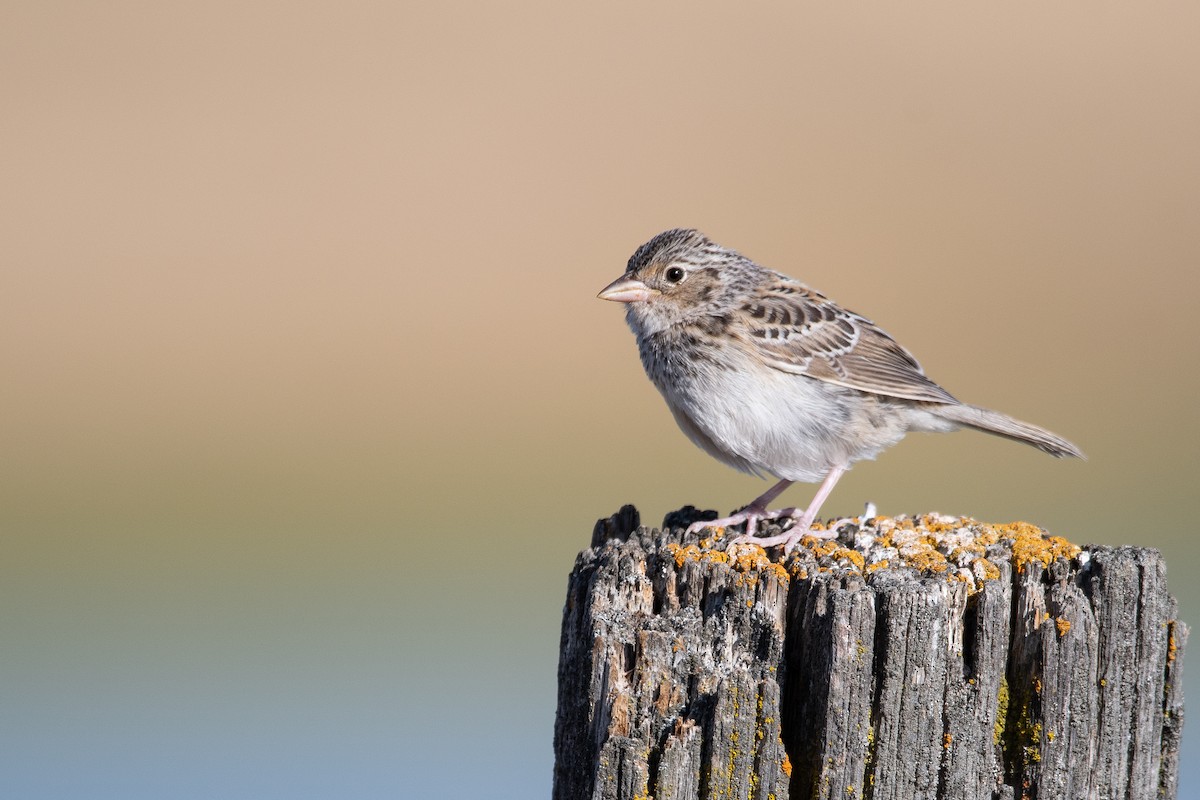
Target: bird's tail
{"x": 994, "y": 422}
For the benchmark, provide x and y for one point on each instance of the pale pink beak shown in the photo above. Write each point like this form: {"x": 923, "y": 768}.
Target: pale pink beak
{"x": 626, "y": 290}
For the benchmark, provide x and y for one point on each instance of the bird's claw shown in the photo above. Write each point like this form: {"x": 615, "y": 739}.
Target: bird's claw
{"x": 750, "y": 515}
{"x": 802, "y": 527}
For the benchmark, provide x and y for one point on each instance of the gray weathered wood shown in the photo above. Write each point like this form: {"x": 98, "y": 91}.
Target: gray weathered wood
{"x": 928, "y": 658}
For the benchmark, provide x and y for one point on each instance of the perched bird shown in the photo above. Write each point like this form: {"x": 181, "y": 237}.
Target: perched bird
{"x": 769, "y": 376}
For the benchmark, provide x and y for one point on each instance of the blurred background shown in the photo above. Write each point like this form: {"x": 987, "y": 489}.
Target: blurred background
{"x": 307, "y": 403}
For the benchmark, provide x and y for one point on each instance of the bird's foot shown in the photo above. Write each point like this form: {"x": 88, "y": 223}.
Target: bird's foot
{"x": 790, "y": 537}
{"x": 751, "y": 516}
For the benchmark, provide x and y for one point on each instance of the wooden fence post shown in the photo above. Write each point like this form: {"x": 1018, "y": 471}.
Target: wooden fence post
{"x": 933, "y": 657}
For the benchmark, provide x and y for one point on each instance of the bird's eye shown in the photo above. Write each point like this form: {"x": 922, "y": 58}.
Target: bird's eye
{"x": 674, "y": 275}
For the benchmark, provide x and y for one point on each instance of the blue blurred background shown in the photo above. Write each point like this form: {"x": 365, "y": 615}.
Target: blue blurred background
{"x": 308, "y": 404}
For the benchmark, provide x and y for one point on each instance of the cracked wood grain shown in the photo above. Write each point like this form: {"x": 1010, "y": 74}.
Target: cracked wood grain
{"x": 910, "y": 658}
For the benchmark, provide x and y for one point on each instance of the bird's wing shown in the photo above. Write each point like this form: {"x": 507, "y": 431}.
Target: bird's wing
{"x": 797, "y": 330}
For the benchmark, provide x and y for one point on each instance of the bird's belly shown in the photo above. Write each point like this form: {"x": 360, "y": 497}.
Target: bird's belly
{"x": 790, "y": 426}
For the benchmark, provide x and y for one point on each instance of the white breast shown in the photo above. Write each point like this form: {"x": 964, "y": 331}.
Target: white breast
{"x": 758, "y": 419}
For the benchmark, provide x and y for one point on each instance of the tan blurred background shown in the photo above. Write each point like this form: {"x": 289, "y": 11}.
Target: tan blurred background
{"x": 307, "y": 403}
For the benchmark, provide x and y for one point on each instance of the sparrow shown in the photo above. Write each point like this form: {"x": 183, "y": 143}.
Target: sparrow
{"x": 769, "y": 376}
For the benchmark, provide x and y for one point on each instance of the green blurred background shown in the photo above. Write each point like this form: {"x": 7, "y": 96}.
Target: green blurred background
{"x": 308, "y": 404}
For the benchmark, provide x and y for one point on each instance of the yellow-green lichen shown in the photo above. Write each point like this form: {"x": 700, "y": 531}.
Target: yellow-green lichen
{"x": 1021, "y": 739}
{"x": 1001, "y": 712}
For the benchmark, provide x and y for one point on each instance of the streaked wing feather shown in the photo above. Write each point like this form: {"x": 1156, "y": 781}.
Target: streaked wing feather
{"x": 797, "y": 330}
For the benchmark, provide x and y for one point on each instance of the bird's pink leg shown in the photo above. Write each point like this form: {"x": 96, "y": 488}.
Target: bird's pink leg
{"x": 750, "y": 515}
{"x": 803, "y": 526}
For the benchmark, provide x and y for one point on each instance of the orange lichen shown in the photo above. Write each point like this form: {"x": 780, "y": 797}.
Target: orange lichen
{"x": 956, "y": 548}
{"x": 1063, "y": 624}
{"x": 853, "y": 556}
{"x": 985, "y": 535}
{"x": 752, "y": 560}
{"x": 936, "y": 524}
{"x": 820, "y": 547}
{"x": 1030, "y": 543}
{"x": 927, "y": 561}
{"x": 682, "y": 555}
{"x": 786, "y": 765}
{"x": 990, "y": 571}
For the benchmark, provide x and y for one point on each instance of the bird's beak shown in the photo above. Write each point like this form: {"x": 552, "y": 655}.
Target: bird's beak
{"x": 626, "y": 290}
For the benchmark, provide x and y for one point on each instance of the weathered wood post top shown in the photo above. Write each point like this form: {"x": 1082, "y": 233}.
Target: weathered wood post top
{"x": 910, "y": 657}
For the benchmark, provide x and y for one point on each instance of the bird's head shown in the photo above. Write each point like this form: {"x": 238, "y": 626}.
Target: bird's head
{"x": 678, "y": 276}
